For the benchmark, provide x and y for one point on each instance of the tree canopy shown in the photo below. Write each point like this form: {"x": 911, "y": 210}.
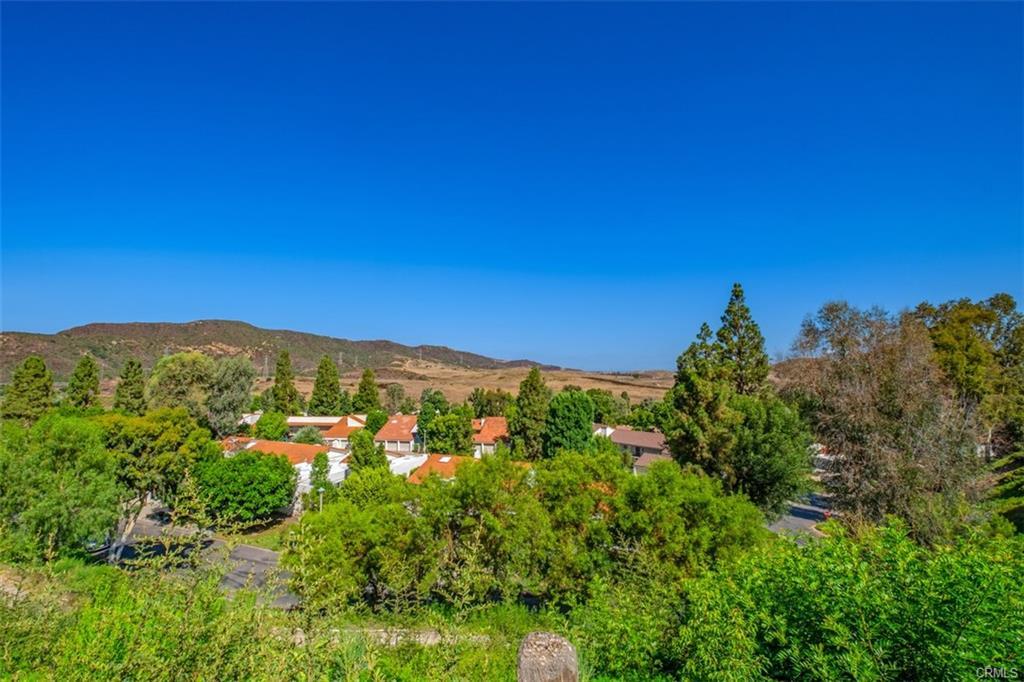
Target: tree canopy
{"x": 326, "y": 398}
{"x": 570, "y": 422}
{"x": 130, "y": 394}
{"x": 364, "y": 453}
{"x": 83, "y": 390}
{"x": 247, "y": 486}
{"x": 367, "y": 395}
{"x": 30, "y": 392}
{"x": 286, "y": 397}
{"x": 527, "y": 417}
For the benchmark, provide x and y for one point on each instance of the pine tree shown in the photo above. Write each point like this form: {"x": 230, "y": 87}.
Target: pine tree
{"x": 740, "y": 347}
{"x": 30, "y": 392}
{"x": 344, "y": 402}
{"x": 130, "y": 396}
{"x": 83, "y": 389}
{"x": 367, "y": 397}
{"x": 528, "y": 416}
{"x": 326, "y": 397}
{"x": 286, "y": 397}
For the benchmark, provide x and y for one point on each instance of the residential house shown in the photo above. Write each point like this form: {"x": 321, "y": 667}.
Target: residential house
{"x": 443, "y": 466}
{"x": 299, "y": 455}
{"x": 323, "y": 424}
{"x": 644, "y": 461}
{"x": 634, "y": 443}
{"x": 337, "y": 436}
{"x": 399, "y": 435}
{"x": 487, "y": 433}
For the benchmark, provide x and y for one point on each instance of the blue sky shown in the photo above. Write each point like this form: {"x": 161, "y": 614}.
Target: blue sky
{"x": 573, "y": 183}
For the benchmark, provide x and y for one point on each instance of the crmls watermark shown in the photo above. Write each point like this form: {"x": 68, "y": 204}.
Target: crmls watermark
{"x": 997, "y": 673}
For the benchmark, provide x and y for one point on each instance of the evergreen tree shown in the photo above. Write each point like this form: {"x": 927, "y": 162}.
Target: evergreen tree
{"x": 229, "y": 394}
{"x": 433, "y": 403}
{"x": 364, "y": 453}
{"x": 181, "y": 380}
{"x": 286, "y": 397}
{"x": 528, "y": 416}
{"x": 570, "y": 422}
{"x": 367, "y": 397}
{"x": 130, "y": 395}
{"x": 30, "y": 392}
{"x": 394, "y": 398}
{"x": 83, "y": 389}
{"x": 344, "y": 403}
{"x": 452, "y": 433}
{"x": 740, "y": 346}
{"x": 326, "y": 397}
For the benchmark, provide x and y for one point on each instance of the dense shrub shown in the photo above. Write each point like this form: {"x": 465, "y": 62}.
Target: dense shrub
{"x": 248, "y": 486}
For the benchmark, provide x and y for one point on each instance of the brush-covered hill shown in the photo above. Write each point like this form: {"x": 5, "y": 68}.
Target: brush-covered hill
{"x": 112, "y": 344}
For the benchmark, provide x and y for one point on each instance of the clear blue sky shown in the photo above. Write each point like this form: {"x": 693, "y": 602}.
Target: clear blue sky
{"x": 573, "y": 183}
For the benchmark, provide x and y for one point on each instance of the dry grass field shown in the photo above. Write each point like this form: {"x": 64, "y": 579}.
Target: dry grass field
{"x": 457, "y": 382}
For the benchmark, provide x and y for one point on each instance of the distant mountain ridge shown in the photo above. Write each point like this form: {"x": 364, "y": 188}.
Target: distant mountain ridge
{"x": 113, "y": 343}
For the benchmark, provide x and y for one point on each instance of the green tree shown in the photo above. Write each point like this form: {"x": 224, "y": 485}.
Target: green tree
{"x": 375, "y": 419}
{"x": 394, "y": 398}
{"x": 326, "y": 398}
{"x": 364, "y": 453}
{"x": 245, "y": 487}
{"x": 310, "y": 435}
{"x": 527, "y": 418}
{"x": 740, "y": 346}
{"x": 570, "y": 422}
{"x": 83, "y": 390}
{"x": 490, "y": 402}
{"x": 130, "y": 395}
{"x": 286, "y": 397}
{"x": 432, "y": 404}
{"x": 608, "y": 409}
{"x": 451, "y": 433}
{"x": 59, "y": 494}
{"x": 271, "y": 426}
{"x": 30, "y": 392}
{"x": 230, "y": 387}
{"x": 318, "y": 475}
{"x": 367, "y": 396}
{"x": 344, "y": 403}
{"x": 181, "y": 380}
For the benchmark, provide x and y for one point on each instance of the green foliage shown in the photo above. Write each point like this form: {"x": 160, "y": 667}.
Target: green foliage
{"x": 609, "y": 409}
{"x": 30, "y": 392}
{"x": 230, "y": 387}
{"x": 130, "y": 395}
{"x": 527, "y": 417}
{"x": 375, "y": 419}
{"x": 364, "y": 453}
{"x": 499, "y": 531}
{"x": 58, "y": 488}
{"x": 367, "y": 395}
{"x": 181, "y": 380}
{"x": 310, "y": 435}
{"x": 245, "y": 487}
{"x": 326, "y": 399}
{"x": 490, "y": 402}
{"x": 433, "y": 403}
{"x": 650, "y": 415}
{"x": 271, "y": 426}
{"x": 154, "y": 451}
{"x": 83, "y": 390}
{"x": 876, "y": 607}
{"x": 740, "y": 347}
{"x": 286, "y": 397}
{"x": 450, "y": 433}
{"x": 395, "y": 399}
{"x": 318, "y": 477}
{"x": 570, "y": 422}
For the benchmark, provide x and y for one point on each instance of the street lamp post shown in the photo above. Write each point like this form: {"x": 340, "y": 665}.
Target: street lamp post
{"x": 321, "y": 491}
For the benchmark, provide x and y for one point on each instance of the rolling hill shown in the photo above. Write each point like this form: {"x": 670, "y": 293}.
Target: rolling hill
{"x": 113, "y": 344}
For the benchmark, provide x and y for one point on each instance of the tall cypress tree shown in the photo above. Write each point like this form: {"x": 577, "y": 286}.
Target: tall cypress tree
{"x": 30, "y": 392}
{"x": 130, "y": 395}
{"x": 740, "y": 344}
{"x": 528, "y": 416}
{"x": 83, "y": 389}
{"x": 286, "y": 397}
{"x": 367, "y": 396}
{"x": 326, "y": 397}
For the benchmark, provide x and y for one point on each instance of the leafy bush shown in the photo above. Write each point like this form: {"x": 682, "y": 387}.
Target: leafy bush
{"x": 271, "y": 426}
{"x": 310, "y": 435}
{"x": 248, "y": 486}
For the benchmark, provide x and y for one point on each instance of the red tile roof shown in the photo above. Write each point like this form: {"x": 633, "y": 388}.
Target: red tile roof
{"x": 442, "y": 465}
{"x": 343, "y": 429}
{"x": 297, "y": 453}
{"x": 490, "y": 430}
{"x": 399, "y": 427}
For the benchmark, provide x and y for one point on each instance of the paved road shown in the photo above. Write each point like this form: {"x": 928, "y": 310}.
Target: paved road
{"x": 801, "y": 518}
{"x": 247, "y": 566}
